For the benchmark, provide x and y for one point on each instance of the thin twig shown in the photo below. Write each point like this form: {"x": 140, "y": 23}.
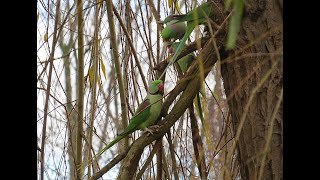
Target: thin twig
{"x": 44, "y": 128}
{"x": 80, "y": 95}
{"x": 149, "y": 159}
{"x": 131, "y": 46}
{"x": 118, "y": 68}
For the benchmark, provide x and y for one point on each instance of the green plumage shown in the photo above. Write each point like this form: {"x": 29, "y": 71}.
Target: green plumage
{"x": 173, "y": 30}
{"x": 185, "y": 61}
{"x": 199, "y": 14}
{"x": 146, "y": 114}
{"x": 195, "y": 17}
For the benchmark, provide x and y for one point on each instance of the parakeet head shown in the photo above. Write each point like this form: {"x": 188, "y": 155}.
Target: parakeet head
{"x": 169, "y": 18}
{"x": 156, "y": 87}
{"x": 172, "y": 17}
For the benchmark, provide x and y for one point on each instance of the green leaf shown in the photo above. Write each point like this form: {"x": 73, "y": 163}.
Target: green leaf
{"x": 98, "y": 82}
{"x": 170, "y": 3}
{"x": 235, "y": 23}
{"x": 91, "y": 74}
{"x": 177, "y": 7}
{"x": 215, "y": 95}
{"x": 227, "y": 4}
{"x": 197, "y": 105}
{"x": 150, "y": 19}
{"x": 100, "y": 2}
{"x": 103, "y": 68}
{"x": 45, "y": 37}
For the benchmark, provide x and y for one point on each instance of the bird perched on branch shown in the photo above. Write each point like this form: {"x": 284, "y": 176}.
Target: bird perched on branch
{"x": 146, "y": 114}
{"x": 197, "y": 16}
{"x": 173, "y": 30}
{"x": 185, "y": 61}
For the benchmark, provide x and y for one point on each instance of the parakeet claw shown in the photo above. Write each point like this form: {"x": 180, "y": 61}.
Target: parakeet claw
{"x": 155, "y": 126}
{"x": 152, "y": 129}
{"x": 149, "y": 131}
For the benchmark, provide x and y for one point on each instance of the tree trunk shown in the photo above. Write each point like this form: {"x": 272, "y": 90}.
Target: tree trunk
{"x": 262, "y": 26}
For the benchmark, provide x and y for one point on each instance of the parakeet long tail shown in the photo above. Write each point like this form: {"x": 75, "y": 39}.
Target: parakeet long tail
{"x": 117, "y": 139}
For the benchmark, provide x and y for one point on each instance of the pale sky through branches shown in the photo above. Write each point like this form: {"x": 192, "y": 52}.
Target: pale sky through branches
{"x": 56, "y": 156}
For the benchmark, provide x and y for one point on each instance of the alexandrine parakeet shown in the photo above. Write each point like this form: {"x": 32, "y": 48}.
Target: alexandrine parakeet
{"x": 184, "y": 64}
{"x": 173, "y": 30}
{"x": 185, "y": 61}
{"x": 146, "y": 114}
{"x": 195, "y": 17}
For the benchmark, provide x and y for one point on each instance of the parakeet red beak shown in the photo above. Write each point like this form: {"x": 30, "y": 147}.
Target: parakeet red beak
{"x": 161, "y": 87}
{"x": 170, "y": 50}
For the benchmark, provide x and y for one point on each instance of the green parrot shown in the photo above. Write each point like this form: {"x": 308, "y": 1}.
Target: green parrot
{"x": 195, "y": 17}
{"x": 173, "y": 30}
{"x": 185, "y": 61}
{"x": 146, "y": 114}
{"x": 184, "y": 64}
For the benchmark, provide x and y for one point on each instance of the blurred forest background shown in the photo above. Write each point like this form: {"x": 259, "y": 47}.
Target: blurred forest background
{"x": 89, "y": 86}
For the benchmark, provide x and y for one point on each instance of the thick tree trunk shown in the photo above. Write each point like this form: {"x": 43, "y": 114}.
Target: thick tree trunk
{"x": 262, "y": 26}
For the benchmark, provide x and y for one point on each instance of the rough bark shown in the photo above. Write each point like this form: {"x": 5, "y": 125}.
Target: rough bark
{"x": 197, "y": 145}
{"x": 261, "y": 27}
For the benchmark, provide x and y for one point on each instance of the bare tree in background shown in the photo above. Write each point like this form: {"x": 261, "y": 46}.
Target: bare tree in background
{"x": 95, "y": 61}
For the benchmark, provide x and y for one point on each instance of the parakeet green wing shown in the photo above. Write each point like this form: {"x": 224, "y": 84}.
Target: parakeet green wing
{"x": 146, "y": 114}
{"x": 141, "y": 114}
{"x": 185, "y": 61}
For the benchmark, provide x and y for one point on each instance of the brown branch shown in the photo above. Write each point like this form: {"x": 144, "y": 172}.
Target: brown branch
{"x": 197, "y": 144}
{"x": 131, "y": 46}
{"x": 191, "y": 86}
{"x": 111, "y": 164}
{"x": 165, "y": 167}
{"x": 190, "y": 74}
{"x": 117, "y": 65}
{"x": 159, "y": 29}
{"x": 173, "y": 159}
{"x": 159, "y": 160}
{"x": 44, "y": 127}
{"x": 149, "y": 159}
{"x": 146, "y": 40}
{"x": 155, "y": 14}
{"x": 80, "y": 87}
